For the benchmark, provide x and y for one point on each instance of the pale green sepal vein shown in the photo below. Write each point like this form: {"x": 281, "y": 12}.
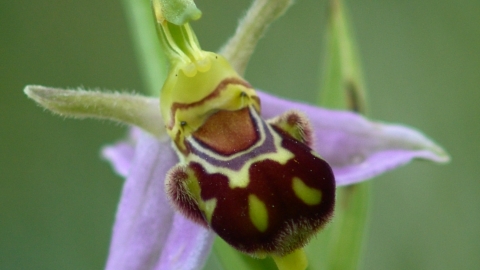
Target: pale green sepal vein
{"x": 136, "y": 110}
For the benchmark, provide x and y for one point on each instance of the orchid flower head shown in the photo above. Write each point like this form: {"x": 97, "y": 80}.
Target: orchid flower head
{"x": 214, "y": 155}
{"x": 256, "y": 183}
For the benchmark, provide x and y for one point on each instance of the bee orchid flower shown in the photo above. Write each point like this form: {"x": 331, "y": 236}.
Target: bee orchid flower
{"x": 149, "y": 234}
{"x": 215, "y": 156}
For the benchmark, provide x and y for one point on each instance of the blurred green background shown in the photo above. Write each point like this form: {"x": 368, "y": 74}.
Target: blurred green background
{"x": 421, "y": 62}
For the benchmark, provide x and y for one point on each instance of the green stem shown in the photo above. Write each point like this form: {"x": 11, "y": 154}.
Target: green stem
{"x": 343, "y": 89}
{"x": 151, "y": 58}
{"x": 343, "y": 81}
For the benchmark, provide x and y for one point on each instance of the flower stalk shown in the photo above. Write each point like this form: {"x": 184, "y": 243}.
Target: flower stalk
{"x": 151, "y": 58}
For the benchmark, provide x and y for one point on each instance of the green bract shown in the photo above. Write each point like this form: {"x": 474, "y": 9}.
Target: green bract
{"x": 177, "y": 12}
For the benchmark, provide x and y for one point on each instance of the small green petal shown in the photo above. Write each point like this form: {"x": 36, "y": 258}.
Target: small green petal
{"x": 124, "y": 108}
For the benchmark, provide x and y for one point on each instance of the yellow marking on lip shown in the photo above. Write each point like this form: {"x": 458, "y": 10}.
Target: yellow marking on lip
{"x": 308, "y": 195}
{"x": 258, "y": 213}
{"x": 193, "y": 188}
{"x": 208, "y": 208}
